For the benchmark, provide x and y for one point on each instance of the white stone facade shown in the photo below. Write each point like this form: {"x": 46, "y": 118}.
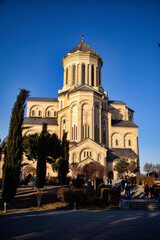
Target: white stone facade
{"x": 95, "y": 125}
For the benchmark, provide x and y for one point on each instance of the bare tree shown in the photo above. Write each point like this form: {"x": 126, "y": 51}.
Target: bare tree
{"x": 132, "y": 167}
{"x": 157, "y": 168}
{"x": 148, "y": 167}
{"x": 91, "y": 171}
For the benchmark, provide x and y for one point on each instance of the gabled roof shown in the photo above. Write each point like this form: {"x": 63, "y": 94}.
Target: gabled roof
{"x": 76, "y": 144}
{"x": 43, "y": 99}
{"x": 86, "y": 88}
{"x": 123, "y": 123}
{"x": 114, "y": 153}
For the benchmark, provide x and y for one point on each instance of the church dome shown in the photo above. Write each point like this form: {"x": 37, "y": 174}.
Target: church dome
{"x": 83, "y": 47}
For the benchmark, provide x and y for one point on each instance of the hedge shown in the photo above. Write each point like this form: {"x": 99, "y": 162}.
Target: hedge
{"x": 145, "y": 180}
{"x": 110, "y": 196}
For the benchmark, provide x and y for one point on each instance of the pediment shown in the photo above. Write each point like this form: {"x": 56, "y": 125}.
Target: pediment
{"x": 88, "y": 143}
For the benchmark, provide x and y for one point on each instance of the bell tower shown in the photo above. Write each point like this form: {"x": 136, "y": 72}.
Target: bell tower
{"x": 82, "y": 65}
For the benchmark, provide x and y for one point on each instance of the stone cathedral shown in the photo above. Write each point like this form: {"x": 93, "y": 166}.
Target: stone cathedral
{"x": 99, "y": 130}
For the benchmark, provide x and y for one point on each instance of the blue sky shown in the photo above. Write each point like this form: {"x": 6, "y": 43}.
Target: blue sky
{"x": 35, "y": 35}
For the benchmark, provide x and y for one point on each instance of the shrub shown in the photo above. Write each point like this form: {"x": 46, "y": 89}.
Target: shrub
{"x": 157, "y": 191}
{"x": 78, "y": 183}
{"x": 110, "y": 196}
{"x": 70, "y": 195}
{"x": 145, "y": 180}
{"x": 90, "y": 195}
{"x": 61, "y": 193}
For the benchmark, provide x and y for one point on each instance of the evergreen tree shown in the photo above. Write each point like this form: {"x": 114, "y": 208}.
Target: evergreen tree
{"x": 61, "y": 166}
{"x": 55, "y": 148}
{"x": 43, "y": 151}
{"x": 121, "y": 166}
{"x": 65, "y": 147}
{"x": 13, "y": 153}
{"x": 64, "y": 160}
{"x": 37, "y": 147}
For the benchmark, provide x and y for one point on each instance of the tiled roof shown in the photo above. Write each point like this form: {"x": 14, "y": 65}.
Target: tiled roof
{"x": 116, "y": 102}
{"x": 43, "y": 99}
{"x": 122, "y": 123}
{"x": 114, "y": 153}
{"x": 83, "y": 47}
{"x": 39, "y": 120}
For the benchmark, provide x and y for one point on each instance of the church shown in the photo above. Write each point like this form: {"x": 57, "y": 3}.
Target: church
{"x": 99, "y": 130}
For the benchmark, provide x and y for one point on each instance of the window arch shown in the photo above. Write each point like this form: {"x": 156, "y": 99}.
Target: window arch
{"x": 74, "y": 74}
{"x": 83, "y": 74}
{"x": 39, "y": 113}
{"x": 66, "y": 75}
{"x": 33, "y": 113}
{"x": 92, "y": 75}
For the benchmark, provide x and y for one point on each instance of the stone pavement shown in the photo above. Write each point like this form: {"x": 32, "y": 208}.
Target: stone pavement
{"x": 78, "y": 225}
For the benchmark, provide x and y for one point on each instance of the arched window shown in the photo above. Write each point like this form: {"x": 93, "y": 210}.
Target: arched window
{"x": 116, "y": 142}
{"x": 55, "y": 113}
{"x": 32, "y": 112}
{"x": 48, "y": 114}
{"x": 39, "y": 113}
{"x": 92, "y": 75}
{"x": 74, "y": 74}
{"x": 83, "y": 74}
{"x": 129, "y": 142}
{"x": 104, "y": 136}
{"x": 66, "y": 75}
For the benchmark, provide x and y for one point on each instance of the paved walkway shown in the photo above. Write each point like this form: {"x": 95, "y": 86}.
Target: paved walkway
{"x": 78, "y": 225}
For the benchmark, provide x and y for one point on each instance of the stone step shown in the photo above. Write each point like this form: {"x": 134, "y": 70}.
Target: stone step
{"x": 140, "y": 205}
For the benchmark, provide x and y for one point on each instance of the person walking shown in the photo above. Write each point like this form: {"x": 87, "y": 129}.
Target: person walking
{"x": 146, "y": 189}
{"x": 127, "y": 191}
{"x": 110, "y": 181}
{"x": 152, "y": 191}
{"x": 123, "y": 184}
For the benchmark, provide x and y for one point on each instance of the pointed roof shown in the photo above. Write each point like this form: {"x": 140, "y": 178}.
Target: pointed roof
{"x": 83, "y": 47}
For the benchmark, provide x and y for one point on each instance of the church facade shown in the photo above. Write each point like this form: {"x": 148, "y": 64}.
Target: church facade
{"x": 99, "y": 130}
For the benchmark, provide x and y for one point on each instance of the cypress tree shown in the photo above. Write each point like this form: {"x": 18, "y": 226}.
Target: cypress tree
{"x": 65, "y": 147}
{"x": 13, "y": 154}
{"x": 65, "y": 156}
{"x": 37, "y": 147}
{"x": 43, "y": 151}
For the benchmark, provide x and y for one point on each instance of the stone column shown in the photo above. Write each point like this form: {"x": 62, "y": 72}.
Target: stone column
{"x": 90, "y": 80}
{"x": 93, "y": 123}
{"x": 70, "y": 124}
{"x": 79, "y": 123}
{"x": 86, "y": 73}
{"x": 97, "y": 74}
{"x": 100, "y": 125}
{"x": 69, "y": 75}
{"x": 64, "y": 78}
{"x": 80, "y": 74}
{"x": 95, "y": 77}
{"x": 76, "y": 79}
